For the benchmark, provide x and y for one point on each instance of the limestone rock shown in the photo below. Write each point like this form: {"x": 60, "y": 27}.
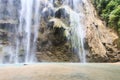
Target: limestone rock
{"x": 99, "y": 38}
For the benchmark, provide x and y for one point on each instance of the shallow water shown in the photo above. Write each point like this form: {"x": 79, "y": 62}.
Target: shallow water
{"x": 60, "y": 71}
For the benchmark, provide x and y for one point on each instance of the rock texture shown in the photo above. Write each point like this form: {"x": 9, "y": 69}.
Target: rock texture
{"x": 52, "y": 44}
{"x": 100, "y": 39}
{"x": 8, "y": 11}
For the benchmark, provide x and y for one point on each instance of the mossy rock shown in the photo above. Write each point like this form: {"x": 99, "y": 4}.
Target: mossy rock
{"x": 59, "y": 27}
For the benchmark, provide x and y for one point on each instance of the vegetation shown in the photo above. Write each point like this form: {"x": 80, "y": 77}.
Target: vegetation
{"x": 109, "y": 10}
{"x": 59, "y": 24}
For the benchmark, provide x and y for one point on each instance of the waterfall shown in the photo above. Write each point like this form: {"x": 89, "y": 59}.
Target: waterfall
{"x": 25, "y": 16}
{"x": 22, "y": 46}
{"x": 28, "y": 29}
{"x": 78, "y": 29}
{"x": 77, "y": 38}
{"x": 77, "y": 17}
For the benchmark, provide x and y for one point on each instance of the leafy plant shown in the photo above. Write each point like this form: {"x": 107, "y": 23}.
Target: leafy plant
{"x": 109, "y": 10}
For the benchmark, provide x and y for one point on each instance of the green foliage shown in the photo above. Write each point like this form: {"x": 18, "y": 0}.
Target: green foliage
{"x": 109, "y": 10}
{"x": 100, "y": 5}
{"x": 114, "y": 18}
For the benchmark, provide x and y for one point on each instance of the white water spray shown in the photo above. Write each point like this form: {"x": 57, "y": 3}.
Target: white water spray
{"x": 77, "y": 27}
{"x": 28, "y": 29}
{"x": 23, "y": 48}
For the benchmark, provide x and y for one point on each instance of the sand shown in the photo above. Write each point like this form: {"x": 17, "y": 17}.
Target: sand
{"x": 60, "y": 71}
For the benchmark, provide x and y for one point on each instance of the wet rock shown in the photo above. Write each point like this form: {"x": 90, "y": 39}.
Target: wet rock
{"x": 59, "y": 28}
{"x": 47, "y": 13}
{"x": 9, "y": 11}
{"x": 61, "y": 13}
{"x": 58, "y": 3}
{"x": 52, "y": 45}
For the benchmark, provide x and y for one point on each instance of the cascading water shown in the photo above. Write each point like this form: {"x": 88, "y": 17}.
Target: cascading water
{"x": 77, "y": 27}
{"x": 28, "y": 12}
{"x": 77, "y": 38}
{"x": 22, "y": 49}
{"x": 28, "y": 30}
{"x": 78, "y": 30}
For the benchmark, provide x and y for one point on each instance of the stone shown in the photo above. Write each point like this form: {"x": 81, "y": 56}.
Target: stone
{"x": 100, "y": 39}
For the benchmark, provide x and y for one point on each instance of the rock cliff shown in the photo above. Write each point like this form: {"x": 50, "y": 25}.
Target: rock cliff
{"x": 53, "y": 44}
{"x": 100, "y": 38}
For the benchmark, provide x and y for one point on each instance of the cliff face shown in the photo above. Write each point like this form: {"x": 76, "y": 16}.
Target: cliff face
{"x": 100, "y": 39}
{"x": 9, "y": 11}
{"x": 53, "y": 44}
{"x": 99, "y": 42}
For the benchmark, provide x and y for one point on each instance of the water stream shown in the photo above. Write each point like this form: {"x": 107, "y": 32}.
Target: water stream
{"x": 77, "y": 27}
{"x": 23, "y": 42}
